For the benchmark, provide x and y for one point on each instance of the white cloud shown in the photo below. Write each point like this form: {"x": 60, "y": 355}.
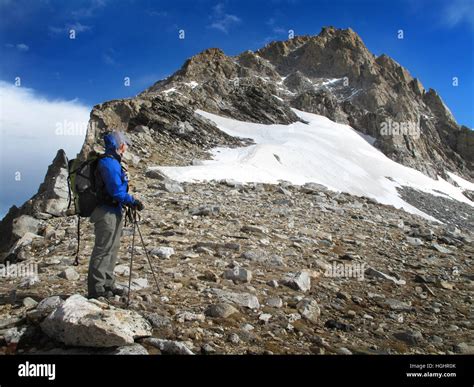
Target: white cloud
{"x": 222, "y": 21}
{"x": 458, "y": 12}
{"x": 109, "y": 57}
{"x": 43, "y": 118}
{"x": 32, "y": 129}
{"x": 20, "y": 46}
{"x": 77, "y": 27}
{"x": 90, "y": 10}
{"x": 157, "y": 13}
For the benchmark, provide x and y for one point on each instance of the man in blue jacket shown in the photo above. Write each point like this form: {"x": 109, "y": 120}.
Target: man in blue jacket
{"x": 107, "y": 217}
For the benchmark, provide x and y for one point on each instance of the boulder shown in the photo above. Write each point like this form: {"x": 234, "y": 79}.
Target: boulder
{"x": 90, "y": 323}
{"x": 238, "y": 274}
{"x": 221, "y": 310}
{"x": 69, "y": 274}
{"x": 246, "y": 300}
{"x": 298, "y": 281}
{"x": 309, "y": 309}
{"x": 163, "y": 252}
{"x": 25, "y": 224}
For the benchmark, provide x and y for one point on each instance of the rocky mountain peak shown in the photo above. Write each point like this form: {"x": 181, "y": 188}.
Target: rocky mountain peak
{"x": 333, "y": 74}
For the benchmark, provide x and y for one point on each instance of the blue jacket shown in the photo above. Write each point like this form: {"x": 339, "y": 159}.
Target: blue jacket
{"x": 114, "y": 177}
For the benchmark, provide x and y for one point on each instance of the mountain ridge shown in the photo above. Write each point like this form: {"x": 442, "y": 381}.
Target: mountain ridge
{"x": 377, "y": 89}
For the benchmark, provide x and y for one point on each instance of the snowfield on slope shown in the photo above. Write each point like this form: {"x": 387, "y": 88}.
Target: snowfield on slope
{"x": 321, "y": 151}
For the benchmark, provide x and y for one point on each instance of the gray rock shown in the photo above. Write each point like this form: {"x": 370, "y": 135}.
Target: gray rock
{"x": 231, "y": 183}
{"x": 255, "y": 230}
{"x": 14, "y": 335}
{"x": 464, "y": 348}
{"x": 414, "y": 241}
{"x": 234, "y": 338}
{"x": 130, "y": 158}
{"x": 397, "y": 305}
{"x": 309, "y": 309}
{"x": 343, "y": 351}
{"x": 246, "y": 300}
{"x": 274, "y": 302}
{"x": 441, "y": 249}
{"x": 298, "y": 281}
{"x": 9, "y": 321}
{"x": 169, "y": 347}
{"x": 24, "y": 241}
{"x": 238, "y": 274}
{"x": 221, "y": 310}
{"x": 158, "y": 321}
{"x": 134, "y": 349}
{"x": 45, "y": 307}
{"x": 29, "y": 303}
{"x": 141, "y": 129}
{"x": 53, "y": 194}
{"x": 255, "y": 255}
{"x": 409, "y": 337}
{"x": 154, "y": 173}
{"x": 172, "y": 187}
{"x": 371, "y": 272}
{"x": 276, "y": 260}
{"x": 49, "y": 304}
{"x": 137, "y": 284}
{"x": 311, "y": 188}
{"x": 189, "y": 316}
{"x": 207, "y": 349}
{"x": 70, "y": 274}
{"x": 123, "y": 270}
{"x": 205, "y": 210}
{"x": 163, "y": 252}
{"x": 90, "y": 323}
{"x": 29, "y": 281}
{"x": 25, "y": 224}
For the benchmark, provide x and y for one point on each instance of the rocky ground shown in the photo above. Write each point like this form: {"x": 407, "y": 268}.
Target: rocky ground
{"x": 251, "y": 269}
{"x": 440, "y": 207}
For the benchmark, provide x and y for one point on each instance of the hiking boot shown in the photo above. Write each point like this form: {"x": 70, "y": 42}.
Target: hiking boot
{"x": 117, "y": 291}
{"x": 107, "y": 294}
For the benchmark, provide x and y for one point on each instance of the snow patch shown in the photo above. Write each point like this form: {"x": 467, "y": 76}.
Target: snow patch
{"x": 321, "y": 151}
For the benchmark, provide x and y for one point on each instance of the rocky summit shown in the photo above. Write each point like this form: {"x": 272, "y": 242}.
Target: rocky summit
{"x": 256, "y": 268}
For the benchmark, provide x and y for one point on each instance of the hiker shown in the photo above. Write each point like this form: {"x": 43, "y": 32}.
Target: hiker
{"x": 107, "y": 217}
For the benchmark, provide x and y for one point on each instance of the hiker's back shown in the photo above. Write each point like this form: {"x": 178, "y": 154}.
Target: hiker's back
{"x": 113, "y": 184}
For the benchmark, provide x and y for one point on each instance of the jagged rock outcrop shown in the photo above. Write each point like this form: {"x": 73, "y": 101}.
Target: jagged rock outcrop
{"x": 50, "y": 200}
{"x": 160, "y": 121}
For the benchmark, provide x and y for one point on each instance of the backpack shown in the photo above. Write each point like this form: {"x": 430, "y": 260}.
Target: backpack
{"x": 86, "y": 189}
{"x": 86, "y": 185}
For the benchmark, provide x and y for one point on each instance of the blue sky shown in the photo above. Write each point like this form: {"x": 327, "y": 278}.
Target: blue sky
{"x": 62, "y": 78}
{"x": 139, "y": 39}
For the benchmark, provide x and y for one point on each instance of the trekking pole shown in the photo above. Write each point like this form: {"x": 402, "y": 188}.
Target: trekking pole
{"x": 131, "y": 264}
{"x": 135, "y": 222}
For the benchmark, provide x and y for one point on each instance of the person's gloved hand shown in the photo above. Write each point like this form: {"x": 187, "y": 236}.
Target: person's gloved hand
{"x": 139, "y": 205}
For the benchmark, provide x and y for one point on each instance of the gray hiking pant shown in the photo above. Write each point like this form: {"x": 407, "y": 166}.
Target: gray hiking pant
{"x": 108, "y": 230}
